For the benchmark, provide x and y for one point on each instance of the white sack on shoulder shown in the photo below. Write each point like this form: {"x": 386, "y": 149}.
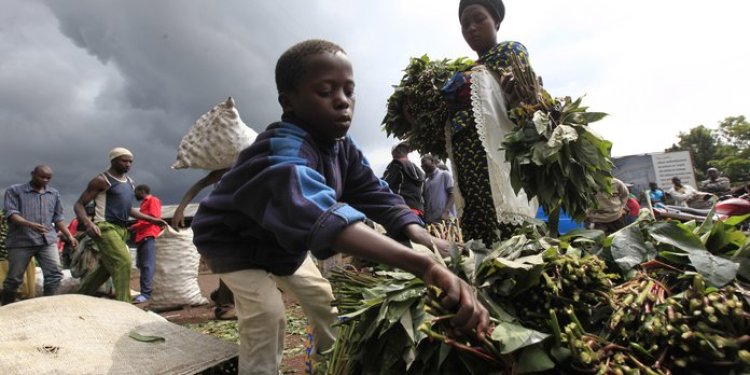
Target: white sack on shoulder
{"x": 215, "y": 140}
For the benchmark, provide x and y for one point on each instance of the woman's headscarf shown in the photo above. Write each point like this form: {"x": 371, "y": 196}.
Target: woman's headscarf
{"x": 496, "y": 8}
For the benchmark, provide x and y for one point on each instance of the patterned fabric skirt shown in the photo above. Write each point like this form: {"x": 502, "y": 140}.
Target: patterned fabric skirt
{"x": 479, "y": 218}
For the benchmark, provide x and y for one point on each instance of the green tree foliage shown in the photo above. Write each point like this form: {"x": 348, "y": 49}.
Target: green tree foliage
{"x": 702, "y": 143}
{"x": 734, "y": 154}
{"x": 726, "y": 148}
{"x": 736, "y": 131}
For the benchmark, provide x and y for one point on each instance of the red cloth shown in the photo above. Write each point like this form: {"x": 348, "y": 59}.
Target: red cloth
{"x": 72, "y": 228}
{"x": 633, "y": 207}
{"x": 151, "y": 206}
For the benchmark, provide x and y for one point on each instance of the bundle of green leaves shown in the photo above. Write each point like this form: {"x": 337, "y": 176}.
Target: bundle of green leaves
{"x": 416, "y": 109}
{"x": 553, "y": 153}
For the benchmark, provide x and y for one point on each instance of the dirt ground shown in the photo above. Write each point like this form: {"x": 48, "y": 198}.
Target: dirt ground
{"x": 294, "y": 359}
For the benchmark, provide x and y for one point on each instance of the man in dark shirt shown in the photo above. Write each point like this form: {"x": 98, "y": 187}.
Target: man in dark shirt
{"x": 715, "y": 184}
{"x": 33, "y": 211}
{"x": 405, "y": 178}
{"x": 113, "y": 194}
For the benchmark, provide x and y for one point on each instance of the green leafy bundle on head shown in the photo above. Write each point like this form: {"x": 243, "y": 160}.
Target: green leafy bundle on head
{"x": 416, "y": 110}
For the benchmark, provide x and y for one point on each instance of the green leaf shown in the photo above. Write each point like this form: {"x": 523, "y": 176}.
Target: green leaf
{"x": 589, "y": 117}
{"x": 629, "y": 248}
{"x": 534, "y": 359}
{"x": 541, "y": 121}
{"x": 734, "y": 220}
{"x": 145, "y": 338}
{"x": 717, "y": 271}
{"x": 408, "y": 323}
{"x": 562, "y": 134}
{"x": 560, "y": 353}
{"x": 513, "y": 336}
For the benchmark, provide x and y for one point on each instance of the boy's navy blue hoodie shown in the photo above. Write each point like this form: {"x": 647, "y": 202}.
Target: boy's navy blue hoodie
{"x": 289, "y": 193}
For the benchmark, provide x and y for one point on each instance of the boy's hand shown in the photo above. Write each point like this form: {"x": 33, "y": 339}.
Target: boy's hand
{"x": 471, "y": 316}
{"x": 420, "y": 235}
{"x": 442, "y": 246}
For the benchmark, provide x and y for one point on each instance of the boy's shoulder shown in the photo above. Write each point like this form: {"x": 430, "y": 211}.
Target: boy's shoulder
{"x": 286, "y": 138}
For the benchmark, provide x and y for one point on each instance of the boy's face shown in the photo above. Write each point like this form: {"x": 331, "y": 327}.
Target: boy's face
{"x": 324, "y": 97}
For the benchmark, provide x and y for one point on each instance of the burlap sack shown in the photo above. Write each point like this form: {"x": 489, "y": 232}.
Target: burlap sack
{"x": 215, "y": 140}
{"x": 175, "y": 280}
{"x": 77, "y": 334}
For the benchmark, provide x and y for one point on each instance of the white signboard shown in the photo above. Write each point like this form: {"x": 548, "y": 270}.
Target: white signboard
{"x": 673, "y": 164}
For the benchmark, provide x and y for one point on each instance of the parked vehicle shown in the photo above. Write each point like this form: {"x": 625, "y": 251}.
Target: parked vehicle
{"x": 725, "y": 208}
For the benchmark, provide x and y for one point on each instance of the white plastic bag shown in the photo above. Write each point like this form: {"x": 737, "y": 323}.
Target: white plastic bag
{"x": 215, "y": 140}
{"x": 175, "y": 280}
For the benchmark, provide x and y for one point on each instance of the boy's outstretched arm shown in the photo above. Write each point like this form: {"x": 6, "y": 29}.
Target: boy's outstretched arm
{"x": 361, "y": 241}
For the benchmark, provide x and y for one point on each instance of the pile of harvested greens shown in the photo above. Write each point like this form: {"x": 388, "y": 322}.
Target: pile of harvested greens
{"x": 653, "y": 298}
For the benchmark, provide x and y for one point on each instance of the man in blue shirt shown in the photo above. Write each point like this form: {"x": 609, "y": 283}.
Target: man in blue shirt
{"x": 33, "y": 211}
{"x": 656, "y": 193}
{"x": 438, "y": 191}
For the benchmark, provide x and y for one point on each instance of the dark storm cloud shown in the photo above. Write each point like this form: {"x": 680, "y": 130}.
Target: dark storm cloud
{"x": 82, "y": 77}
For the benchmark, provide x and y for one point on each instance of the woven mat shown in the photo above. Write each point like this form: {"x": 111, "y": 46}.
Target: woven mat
{"x": 77, "y": 334}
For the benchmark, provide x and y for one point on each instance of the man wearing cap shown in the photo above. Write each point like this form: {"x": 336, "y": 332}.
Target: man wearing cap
{"x": 715, "y": 184}
{"x": 112, "y": 192}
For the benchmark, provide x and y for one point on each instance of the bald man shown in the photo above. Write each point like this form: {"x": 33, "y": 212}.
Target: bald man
{"x": 112, "y": 192}
{"x": 33, "y": 210}
{"x": 715, "y": 184}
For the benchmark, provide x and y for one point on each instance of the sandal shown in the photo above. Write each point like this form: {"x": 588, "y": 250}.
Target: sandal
{"x": 225, "y": 312}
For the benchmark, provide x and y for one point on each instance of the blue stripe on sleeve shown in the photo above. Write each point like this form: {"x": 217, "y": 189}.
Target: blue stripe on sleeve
{"x": 313, "y": 188}
{"x": 312, "y": 185}
{"x": 349, "y": 214}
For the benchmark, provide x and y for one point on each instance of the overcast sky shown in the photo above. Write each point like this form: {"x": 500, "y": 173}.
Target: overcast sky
{"x": 78, "y": 78}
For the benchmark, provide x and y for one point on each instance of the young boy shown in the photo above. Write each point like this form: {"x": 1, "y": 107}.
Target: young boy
{"x": 304, "y": 185}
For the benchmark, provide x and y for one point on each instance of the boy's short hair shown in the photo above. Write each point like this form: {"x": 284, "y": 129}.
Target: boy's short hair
{"x": 144, "y": 188}
{"x": 291, "y": 65}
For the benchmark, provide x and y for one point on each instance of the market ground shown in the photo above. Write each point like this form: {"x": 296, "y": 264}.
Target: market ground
{"x": 294, "y": 359}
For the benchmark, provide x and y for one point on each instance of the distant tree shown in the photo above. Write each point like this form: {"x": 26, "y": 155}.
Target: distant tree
{"x": 735, "y": 131}
{"x": 733, "y": 158}
{"x": 727, "y": 148}
{"x": 703, "y": 144}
